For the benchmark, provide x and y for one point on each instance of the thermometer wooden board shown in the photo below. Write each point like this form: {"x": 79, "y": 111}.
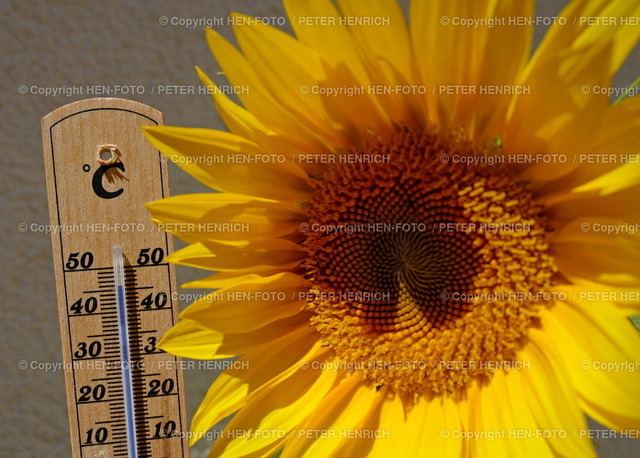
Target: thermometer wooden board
{"x": 115, "y": 289}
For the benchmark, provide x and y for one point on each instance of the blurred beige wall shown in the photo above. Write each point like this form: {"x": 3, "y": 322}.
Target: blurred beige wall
{"x": 74, "y": 44}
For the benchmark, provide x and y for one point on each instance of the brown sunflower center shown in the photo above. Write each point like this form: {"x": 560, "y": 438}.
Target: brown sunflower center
{"x": 427, "y": 271}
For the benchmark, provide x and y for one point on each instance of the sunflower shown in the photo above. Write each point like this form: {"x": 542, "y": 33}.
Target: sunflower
{"x": 424, "y": 239}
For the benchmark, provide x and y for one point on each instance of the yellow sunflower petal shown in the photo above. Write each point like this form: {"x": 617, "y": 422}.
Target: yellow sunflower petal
{"x": 220, "y": 216}
{"x": 259, "y": 101}
{"x": 601, "y": 349}
{"x": 239, "y": 120}
{"x": 385, "y": 47}
{"x": 438, "y": 44}
{"x": 317, "y": 24}
{"x": 391, "y": 423}
{"x": 554, "y": 401}
{"x": 584, "y": 250}
{"x": 535, "y": 127}
{"x": 243, "y": 123}
{"x": 590, "y": 22}
{"x": 310, "y": 20}
{"x": 252, "y": 256}
{"x": 443, "y": 420}
{"x": 223, "y": 280}
{"x": 627, "y": 298}
{"x": 570, "y": 44}
{"x": 487, "y": 112}
{"x": 416, "y": 438}
{"x": 334, "y": 421}
{"x": 484, "y": 419}
{"x": 621, "y": 178}
{"x": 291, "y": 70}
{"x": 232, "y": 388}
{"x": 242, "y": 343}
{"x": 620, "y": 131}
{"x": 249, "y": 306}
{"x": 619, "y": 206}
{"x": 387, "y": 54}
{"x": 268, "y": 418}
{"x": 520, "y": 420}
{"x": 361, "y": 446}
{"x": 190, "y": 340}
{"x": 616, "y": 143}
{"x": 227, "y": 162}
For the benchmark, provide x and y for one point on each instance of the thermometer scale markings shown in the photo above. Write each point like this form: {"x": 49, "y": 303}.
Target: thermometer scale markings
{"x": 105, "y": 420}
{"x": 125, "y": 352}
{"x": 111, "y": 333}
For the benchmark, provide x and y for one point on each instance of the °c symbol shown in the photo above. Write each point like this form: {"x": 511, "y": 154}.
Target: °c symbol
{"x": 86, "y": 167}
{"x": 96, "y": 183}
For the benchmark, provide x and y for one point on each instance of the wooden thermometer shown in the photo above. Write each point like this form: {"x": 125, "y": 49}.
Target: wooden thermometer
{"x": 115, "y": 289}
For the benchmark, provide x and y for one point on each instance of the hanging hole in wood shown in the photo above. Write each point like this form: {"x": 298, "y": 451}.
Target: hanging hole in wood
{"x": 108, "y": 154}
